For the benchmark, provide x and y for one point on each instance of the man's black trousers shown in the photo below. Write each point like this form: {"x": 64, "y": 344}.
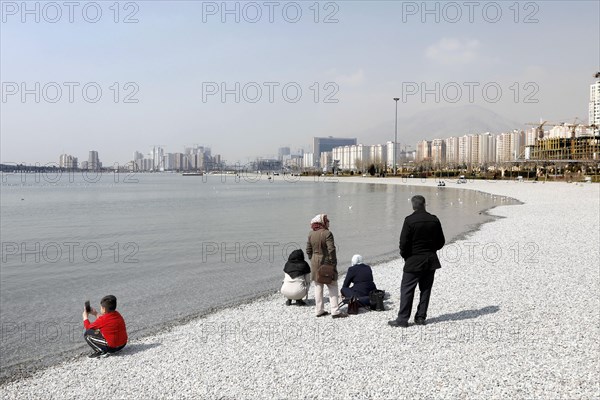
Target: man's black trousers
{"x": 407, "y": 292}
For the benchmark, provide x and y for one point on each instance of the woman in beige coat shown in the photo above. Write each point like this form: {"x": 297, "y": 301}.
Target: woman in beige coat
{"x": 321, "y": 250}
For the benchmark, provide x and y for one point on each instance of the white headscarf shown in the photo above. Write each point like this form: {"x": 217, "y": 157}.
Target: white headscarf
{"x": 318, "y": 219}
{"x": 357, "y": 259}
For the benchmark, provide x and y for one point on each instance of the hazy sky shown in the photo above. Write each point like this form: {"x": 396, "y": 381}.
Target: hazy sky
{"x": 179, "y": 55}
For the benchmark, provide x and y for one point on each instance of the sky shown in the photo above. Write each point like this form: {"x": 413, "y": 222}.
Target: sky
{"x": 245, "y": 78}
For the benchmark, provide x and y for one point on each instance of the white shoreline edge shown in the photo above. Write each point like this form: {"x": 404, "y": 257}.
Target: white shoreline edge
{"x": 504, "y": 329}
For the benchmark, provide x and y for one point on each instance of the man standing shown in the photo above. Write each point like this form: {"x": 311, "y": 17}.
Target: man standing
{"x": 421, "y": 237}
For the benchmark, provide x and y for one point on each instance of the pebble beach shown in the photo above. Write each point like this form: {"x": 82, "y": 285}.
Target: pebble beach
{"x": 514, "y": 313}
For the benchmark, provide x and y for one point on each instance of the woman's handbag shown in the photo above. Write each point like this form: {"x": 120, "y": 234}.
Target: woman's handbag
{"x": 353, "y": 306}
{"x": 326, "y": 274}
{"x": 376, "y": 300}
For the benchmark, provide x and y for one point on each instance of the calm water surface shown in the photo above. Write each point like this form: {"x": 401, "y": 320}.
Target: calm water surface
{"x": 171, "y": 247}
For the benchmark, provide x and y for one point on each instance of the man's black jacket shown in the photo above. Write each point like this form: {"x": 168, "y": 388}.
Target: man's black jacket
{"x": 420, "y": 238}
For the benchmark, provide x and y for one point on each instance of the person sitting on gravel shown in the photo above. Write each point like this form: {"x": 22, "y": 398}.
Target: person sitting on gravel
{"x": 360, "y": 276}
{"x": 296, "y": 279}
{"x": 108, "y": 333}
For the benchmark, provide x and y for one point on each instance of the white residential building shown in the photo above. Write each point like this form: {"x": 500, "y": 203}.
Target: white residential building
{"x": 487, "y": 148}
{"x": 67, "y": 161}
{"x": 451, "y": 150}
{"x": 423, "y": 151}
{"x": 464, "y": 149}
{"x": 594, "y": 106}
{"x": 438, "y": 151}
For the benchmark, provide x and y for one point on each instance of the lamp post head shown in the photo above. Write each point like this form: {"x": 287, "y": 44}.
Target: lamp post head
{"x": 396, "y": 98}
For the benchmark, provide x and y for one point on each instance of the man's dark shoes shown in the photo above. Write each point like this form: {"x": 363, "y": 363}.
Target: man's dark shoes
{"x": 419, "y": 321}
{"x": 288, "y": 302}
{"x": 300, "y": 303}
{"x": 396, "y": 323}
{"x": 98, "y": 355}
{"x": 340, "y": 315}
{"x": 324, "y": 313}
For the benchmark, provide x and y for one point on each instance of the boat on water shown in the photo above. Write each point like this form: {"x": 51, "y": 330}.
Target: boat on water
{"x": 192, "y": 174}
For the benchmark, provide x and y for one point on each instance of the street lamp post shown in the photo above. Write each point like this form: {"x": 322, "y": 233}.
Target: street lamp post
{"x": 396, "y": 136}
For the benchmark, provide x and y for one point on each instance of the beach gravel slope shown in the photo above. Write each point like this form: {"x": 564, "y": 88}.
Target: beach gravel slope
{"x": 514, "y": 313}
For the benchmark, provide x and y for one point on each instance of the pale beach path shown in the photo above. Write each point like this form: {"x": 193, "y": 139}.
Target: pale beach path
{"x": 514, "y": 313}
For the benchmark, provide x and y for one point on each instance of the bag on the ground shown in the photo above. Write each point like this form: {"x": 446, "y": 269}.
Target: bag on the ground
{"x": 353, "y": 306}
{"x": 376, "y": 300}
{"x": 326, "y": 274}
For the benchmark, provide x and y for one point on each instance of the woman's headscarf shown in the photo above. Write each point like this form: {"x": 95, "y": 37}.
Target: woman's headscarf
{"x": 296, "y": 266}
{"x": 357, "y": 259}
{"x": 320, "y": 221}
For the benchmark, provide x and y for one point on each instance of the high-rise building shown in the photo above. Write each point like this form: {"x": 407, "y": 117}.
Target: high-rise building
{"x": 322, "y": 144}
{"x": 93, "y": 161}
{"x": 423, "y": 151}
{"x": 354, "y": 158}
{"x": 517, "y": 145}
{"x": 438, "y": 151}
{"x": 400, "y": 155}
{"x": 168, "y": 161}
{"x": 378, "y": 155}
{"x": 464, "y": 149}
{"x": 282, "y": 152}
{"x": 594, "y": 107}
{"x": 474, "y": 152}
{"x": 308, "y": 160}
{"x": 326, "y": 160}
{"x": 503, "y": 147}
{"x": 67, "y": 161}
{"x": 486, "y": 148}
{"x": 452, "y": 150}
{"x": 158, "y": 154}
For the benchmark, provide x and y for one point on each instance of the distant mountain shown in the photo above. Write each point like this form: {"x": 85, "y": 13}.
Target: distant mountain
{"x": 440, "y": 123}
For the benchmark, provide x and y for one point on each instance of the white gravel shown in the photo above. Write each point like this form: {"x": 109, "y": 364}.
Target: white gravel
{"x": 516, "y": 317}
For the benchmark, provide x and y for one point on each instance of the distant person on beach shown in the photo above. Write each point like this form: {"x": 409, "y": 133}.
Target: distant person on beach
{"x": 320, "y": 249}
{"x": 360, "y": 276}
{"x": 296, "y": 279}
{"x": 107, "y": 334}
{"x": 420, "y": 238}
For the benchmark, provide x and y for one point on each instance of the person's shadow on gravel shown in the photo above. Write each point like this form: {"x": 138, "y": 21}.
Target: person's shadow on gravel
{"x": 135, "y": 348}
{"x": 466, "y": 314}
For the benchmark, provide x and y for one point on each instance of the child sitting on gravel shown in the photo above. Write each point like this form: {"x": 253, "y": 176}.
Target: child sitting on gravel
{"x": 107, "y": 334}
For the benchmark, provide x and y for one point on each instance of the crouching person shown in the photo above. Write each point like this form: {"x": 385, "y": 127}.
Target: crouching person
{"x": 360, "y": 276}
{"x": 296, "y": 279}
{"x": 107, "y": 334}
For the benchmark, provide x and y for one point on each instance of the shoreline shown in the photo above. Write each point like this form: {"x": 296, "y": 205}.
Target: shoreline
{"x": 23, "y": 370}
{"x": 27, "y": 368}
{"x": 497, "y": 213}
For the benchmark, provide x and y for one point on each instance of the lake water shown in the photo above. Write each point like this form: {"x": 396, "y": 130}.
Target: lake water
{"x": 172, "y": 247}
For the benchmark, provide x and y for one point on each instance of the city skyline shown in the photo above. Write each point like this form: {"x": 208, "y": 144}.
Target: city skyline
{"x": 182, "y": 82}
